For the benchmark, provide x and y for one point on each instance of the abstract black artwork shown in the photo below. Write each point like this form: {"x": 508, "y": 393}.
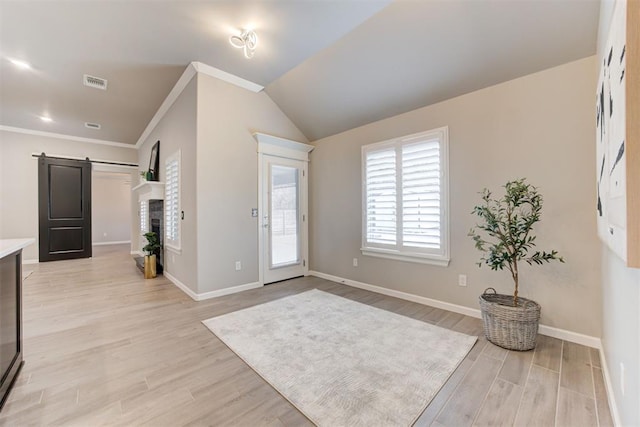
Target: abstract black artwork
{"x": 611, "y": 129}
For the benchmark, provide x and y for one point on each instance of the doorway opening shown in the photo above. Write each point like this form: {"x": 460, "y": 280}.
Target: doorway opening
{"x": 282, "y": 208}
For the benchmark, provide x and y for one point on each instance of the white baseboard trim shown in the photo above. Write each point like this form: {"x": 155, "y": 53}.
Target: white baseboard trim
{"x": 402, "y": 295}
{"x": 609, "y": 386}
{"x": 184, "y": 288}
{"x": 122, "y": 242}
{"x": 30, "y": 261}
{"x": 570, "y": 336}
{"x": 562, "y": 334}
{"x": 138, "y": 253}
{"x": 212, "y": 294}
{"x": 228, "y": 291}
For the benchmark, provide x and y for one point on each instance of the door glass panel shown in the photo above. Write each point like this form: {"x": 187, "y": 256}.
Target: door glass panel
{"x": 284, "y": 229}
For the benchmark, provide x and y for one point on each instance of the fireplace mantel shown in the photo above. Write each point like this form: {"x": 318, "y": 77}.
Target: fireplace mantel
{"x": 149, "y": 190}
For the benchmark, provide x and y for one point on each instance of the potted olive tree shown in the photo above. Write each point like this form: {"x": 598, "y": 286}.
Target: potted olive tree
{"x": 150, "y": 250}
{"x": 504, "y": 235}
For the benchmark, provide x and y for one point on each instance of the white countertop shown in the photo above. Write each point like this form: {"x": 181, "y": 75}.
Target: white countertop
{"x": 8, "y": 246}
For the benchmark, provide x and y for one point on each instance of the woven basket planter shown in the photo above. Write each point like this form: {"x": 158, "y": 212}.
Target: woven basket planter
{"x": 513, "y": 328}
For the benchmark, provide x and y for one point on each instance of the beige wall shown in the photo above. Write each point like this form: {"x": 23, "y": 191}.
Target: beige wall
{"x": 177, "y": 131}
{"x": 19, "y": 178}
{"x": 620, "y": 303}
{"x": 540, "y": 127}
{"x": 110, "y": 207}
{"x": 227, "y": 168}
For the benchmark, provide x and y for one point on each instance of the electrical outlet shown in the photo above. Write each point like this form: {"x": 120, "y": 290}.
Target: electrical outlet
{"x": 622, "y": 377}
{"x": 355, "y": 262}
{"x": 462, "y": 280}
{"x": 254, "y": 212}
{"x": 238, "y": 266}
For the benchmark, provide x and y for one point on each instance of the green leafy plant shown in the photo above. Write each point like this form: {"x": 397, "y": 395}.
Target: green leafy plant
{"x": 153, "y": 244}
{"x": 504, "y": 233}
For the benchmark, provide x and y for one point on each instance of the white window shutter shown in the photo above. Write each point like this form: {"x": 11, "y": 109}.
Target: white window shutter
{"x": 381, "y": 197}
{"x": 421, "y": 215}
{"x": 405, "y": 200}
{"x": 144, "y": 216}
{"x": 172, "y": 201}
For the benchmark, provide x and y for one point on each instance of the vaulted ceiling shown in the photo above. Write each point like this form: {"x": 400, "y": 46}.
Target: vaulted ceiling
{"x": 330, "y": 65}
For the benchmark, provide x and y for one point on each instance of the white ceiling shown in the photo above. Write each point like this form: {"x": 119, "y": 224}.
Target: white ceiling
{"x": 142, "y": 48}
{"x": 417, "y": 53}
{"x": 331, "y": 65}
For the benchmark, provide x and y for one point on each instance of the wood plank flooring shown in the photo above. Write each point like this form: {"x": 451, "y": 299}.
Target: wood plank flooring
{"x": 103, "y": 346}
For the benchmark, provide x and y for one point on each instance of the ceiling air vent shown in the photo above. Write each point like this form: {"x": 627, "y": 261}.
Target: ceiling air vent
{"x": 92, "y": 125}
{"x": 95, "y": 82}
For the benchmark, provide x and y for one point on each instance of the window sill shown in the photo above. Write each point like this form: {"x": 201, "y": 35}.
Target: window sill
{"x": 440, "y": 261}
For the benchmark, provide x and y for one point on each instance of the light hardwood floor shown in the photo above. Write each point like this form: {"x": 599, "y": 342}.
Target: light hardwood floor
{"x": 104, "y": 346}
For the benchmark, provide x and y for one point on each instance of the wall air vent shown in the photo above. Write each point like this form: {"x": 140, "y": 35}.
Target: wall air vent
{"x": 92, "y": 125}
{"x": 95, "y": 82}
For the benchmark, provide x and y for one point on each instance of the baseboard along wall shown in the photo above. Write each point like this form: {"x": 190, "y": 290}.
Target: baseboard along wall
{"x": 211, "y": 294}
{"x": 609, "y": 386}
{"x": 562, "y": 334}
{"x": 121, "y": 242}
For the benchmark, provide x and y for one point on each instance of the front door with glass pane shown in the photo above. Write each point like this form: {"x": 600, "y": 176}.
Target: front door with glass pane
{"x": 283, "y": 218}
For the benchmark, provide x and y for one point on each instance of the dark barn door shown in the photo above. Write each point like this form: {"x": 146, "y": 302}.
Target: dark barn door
{"x": 64, "y": 201}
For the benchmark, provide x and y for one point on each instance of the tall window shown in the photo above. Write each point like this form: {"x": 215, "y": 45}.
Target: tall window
{"x": 172, "y": 201}
{"x": 405, "y": 198}
{"x": 144, "y": 216}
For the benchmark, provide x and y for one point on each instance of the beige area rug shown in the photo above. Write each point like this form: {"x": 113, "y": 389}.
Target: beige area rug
{"x": 343, "y": 363}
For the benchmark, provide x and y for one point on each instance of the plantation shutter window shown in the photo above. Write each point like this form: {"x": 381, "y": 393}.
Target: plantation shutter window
{"x": 421, "y": 195}
{"x": 144, "y": 216}
{"x": 405, "y": 200}
{"x": 172, "y": 201}
{"x": 381, "y": 196}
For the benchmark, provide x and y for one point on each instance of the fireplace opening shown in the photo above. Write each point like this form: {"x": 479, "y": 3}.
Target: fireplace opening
{"x": 156, "y": 215}
{"x": 156, "y": 224}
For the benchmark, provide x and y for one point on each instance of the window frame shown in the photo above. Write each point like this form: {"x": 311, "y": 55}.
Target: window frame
{"x": 174, "y": 245}
{"x": 397, "y": 252}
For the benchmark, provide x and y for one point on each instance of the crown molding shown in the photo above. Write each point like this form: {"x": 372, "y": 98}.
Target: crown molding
{"x": 67, "y": 137}
{"x": 227, "y": 77}
{"x": 192, "y": 69}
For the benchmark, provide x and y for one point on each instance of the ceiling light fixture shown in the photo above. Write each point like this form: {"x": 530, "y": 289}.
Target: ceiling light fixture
{"x": 46, "y": 119}
{"x": 248, "y": 41}
{"x": 20, "y": 64}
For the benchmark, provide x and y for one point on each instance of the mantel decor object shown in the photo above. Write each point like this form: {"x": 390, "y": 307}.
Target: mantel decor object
{"x": 154, "y": 162}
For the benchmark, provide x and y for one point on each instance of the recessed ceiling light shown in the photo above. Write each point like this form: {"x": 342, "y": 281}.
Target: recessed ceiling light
{"x": 20, "y": 64}
{"x": 46, "y": 119}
